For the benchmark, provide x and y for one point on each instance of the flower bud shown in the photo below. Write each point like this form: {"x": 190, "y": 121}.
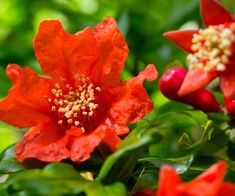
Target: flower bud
{"x": 230, "y": 105}
{"x": 202, "y": 99}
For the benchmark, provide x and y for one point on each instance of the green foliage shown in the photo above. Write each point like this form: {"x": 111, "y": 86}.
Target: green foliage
{"x": 56, "y": 179}
{"x": 120, "y": 164}
{"x": 8, "y": 135}
{"x": 8, "y": 161}
{"x": 173, "y": 134}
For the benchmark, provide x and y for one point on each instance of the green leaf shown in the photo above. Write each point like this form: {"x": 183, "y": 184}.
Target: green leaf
{"x": 57, "y": 179}
{"x": 180, "y": 164}
{"x": 63, "y": 170}
{"x": 8, "y": 161}
{"x": 205, "y": 137}
{"x": 218, "y": 117}
{"x": 119, "y": 165}
{"x": 8, "y": 135}
{"x": 144, "y": 181}
{"x": 212, "y": 139}
{"x": 199, "y": 116}
{"x": 172, "y": 125}
{"x": 185, "y": 141}
{"x": 95, "y": 188}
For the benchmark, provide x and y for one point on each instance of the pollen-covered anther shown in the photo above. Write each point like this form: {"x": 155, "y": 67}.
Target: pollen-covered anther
{"x": 60, "y": 122}
{"x": 74, "y": 103}
{"x": 212, "y": 48}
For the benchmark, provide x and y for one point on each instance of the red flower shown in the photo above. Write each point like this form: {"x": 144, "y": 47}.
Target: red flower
{"x": 83, "y": 103}
{"x": 212, "y": 50}
{"x": 209, "y": 183}
{"x": 202, "y": 99}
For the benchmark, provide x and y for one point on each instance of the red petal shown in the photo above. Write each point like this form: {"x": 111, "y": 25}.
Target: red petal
{"x": 120, "y": 130}
{"x": 213, "y": 13}
{"x": 194, "y": 80}
{"x": 227, "y": 189}
{"x": 25, "y": 105}
{"x": 111, "y": 136}
{"x": 183, "y": 38}
{"x": 82, "y": 146}
{"x": 168, "y": 182}
{"x": 63, "y": 55}
{"x": 132, "y": 102}
{"x": 43, "y": 142}
{"x": 227, "y": 84}
{"x": 209, "y": 182}
{"x": 113, "y": 52}
{"x": 112, "y": 139}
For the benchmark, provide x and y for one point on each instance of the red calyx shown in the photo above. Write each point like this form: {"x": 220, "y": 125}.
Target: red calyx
{"x": 202, "y": 99}
{"x": 230, "y": 105}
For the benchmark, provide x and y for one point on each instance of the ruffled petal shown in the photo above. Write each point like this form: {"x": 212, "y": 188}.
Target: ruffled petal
{"x": 25, "y": 105}
{"x": 194, "y": 80}
{"x": 120, "y": 130}
{"x": 112, "y": 131}
{"x": 213, "y": 13}
{"x": 132, "y": 101}
{"x": 208, "y": 182}
{"x": 227, "y": 84}
{"x": 168, "y": 182}
{"x": 82, "y": 146}
{"x": 43, "y": 142}
{"x": 111, "y": 139}
{"x": 113, "y": 52}
{"x": 62, "y": 55}
{"x": 182, "y": 39}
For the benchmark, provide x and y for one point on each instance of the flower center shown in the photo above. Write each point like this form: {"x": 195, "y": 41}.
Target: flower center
{"x": 212, "y": 48}
{"x": 74, "y": 105}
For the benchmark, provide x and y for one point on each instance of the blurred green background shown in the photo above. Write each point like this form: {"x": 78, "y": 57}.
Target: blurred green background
{"x": 141, "y": 21}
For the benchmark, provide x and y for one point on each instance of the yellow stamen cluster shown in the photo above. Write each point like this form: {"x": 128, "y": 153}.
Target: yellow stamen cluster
{"x": 74, "y": 103}
{"x": 212, "y": 48}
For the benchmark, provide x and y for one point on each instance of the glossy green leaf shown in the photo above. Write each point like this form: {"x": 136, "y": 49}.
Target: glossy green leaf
{"x": 180, "y": 164}
{"x": 57, "y": 179}
{"x": 119, "y": 164}
{"x": 8, "y": 161}
{"x": 212, "y": 139}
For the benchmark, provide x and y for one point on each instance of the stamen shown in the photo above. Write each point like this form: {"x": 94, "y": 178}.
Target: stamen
{"x": 76, "y": 123}
{"x": 83, "y": 130}
{"x": 74, "y": 104}
{"x": 212, "y": 48}
{"x": 60, "y": 122}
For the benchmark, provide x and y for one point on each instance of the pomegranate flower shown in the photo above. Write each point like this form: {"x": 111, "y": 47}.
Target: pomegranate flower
{"x": 209, "y": 183}
{"x": 211, "y": 50}
{"x": 83, "y": 103}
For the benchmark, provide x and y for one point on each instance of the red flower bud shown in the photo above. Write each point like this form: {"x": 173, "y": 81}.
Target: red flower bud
{"x": 230, "y": 105}
{"x": 202, "y": 99}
